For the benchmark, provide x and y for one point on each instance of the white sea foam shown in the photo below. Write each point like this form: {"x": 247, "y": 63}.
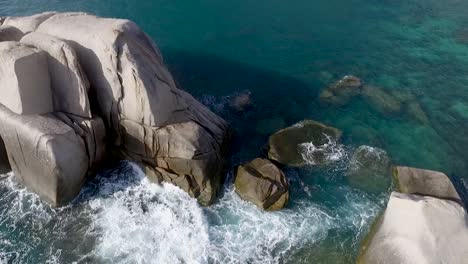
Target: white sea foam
{"x": 331, "y": 151}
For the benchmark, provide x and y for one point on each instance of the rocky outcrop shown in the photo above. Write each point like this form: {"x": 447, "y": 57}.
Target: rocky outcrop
{"x": 69, "y": 84}
{"x": 288, "y": 145}
{"x": 425, "y": 182}
{"x": 4, "y": 163}
{"x": 47, "y": 156}
{"x": 9, "y": 33}
{"x": 418, "y": 229}
{"x": 24, "y": 81}
{"x": 369, "y": 170}
{"x": 148, "y": 119}
{"x": 262, "y": 183}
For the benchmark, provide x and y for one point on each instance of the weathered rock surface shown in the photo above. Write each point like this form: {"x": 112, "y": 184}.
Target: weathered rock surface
{"x": 27, "y": 24}
{"x": 9, "y": 33}
{"x": 370, "y": 170}
{"x": 149, "y": 120}
{"x": 4, "y": 163}
{"x": 287, "y": 146}
{"x": 342, "y": 91}
{"x": 425, "y": 182}
{"x": 262, "y": 183}
{"x": 46, "y": 155}
{"x": 24, "y": 79}
{"x": 68, "y": 82}
{"x": 418, "y": 230}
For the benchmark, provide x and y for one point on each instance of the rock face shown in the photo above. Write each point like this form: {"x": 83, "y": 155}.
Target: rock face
{"x": 149, "y": 120}
{"x": 24, "y": 82}
{"x": 425, "y": 182}
{"x": 46, "y": 155}
{"x": 9, "y": 33}
{"x": 262, "y": 183}
{"x": 370, "y": 170}
{"x": 418, "y": 229}
{"x": 68, "y": 81}
{"x": 4, "y": 163}
{"x": 288, "y": 145}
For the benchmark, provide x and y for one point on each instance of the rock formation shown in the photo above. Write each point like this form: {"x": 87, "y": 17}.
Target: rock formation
{"x": 82, "y": 68}
{"x": 342, "y": 91}
{"x": 287, "y": 145}
{"x": 4, "y": 163}
{"x": 370, "y": 170}
{"x": 262, "y": 183}
{"x": 418, "y": 229}
{"x": 425, "y": 182}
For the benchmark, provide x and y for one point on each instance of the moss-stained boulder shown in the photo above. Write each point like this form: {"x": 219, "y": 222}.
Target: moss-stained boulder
{"x": 307, "y": 142}
{"x": 417, "y": 229}
{"x": 262, "y": 183}
{"x": 425, "y": 182}
{"x": 370, "y": 170}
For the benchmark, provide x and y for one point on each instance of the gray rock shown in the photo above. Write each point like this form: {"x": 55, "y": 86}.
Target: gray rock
{"x": 418, "y": 229}
{"x": 9, "y": 33}
{"x": 425, "y": 182}
{"x": 132, "y": 86}
{"x": 288, "y": 146}
{"x": 370, "y": 170}
{"x": 262, "y": 183}
{"x": 24, "y": 79}
{"x": 4, "y": 163}
{"x": 28, "y": 23}
{"x": 68, "y": 81}
{"x": 46, "y": 155}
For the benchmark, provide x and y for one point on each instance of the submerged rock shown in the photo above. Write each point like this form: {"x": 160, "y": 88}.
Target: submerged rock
{"x": 418, "y": 229}
{"x": 4, "y": 163}
{"x": 262, "y": 183}
{"x": 307, "y": 142}
{"x": 24, "y": 79}
{"x": 342, "y": 91}
{"x": 370, "y": 170}
{"x": 415, "y": 111}
{"x": 425, "y": 182}
{"x": 68, "y": 82}
{"x": 383, "y": 102}
{"x": 241, "y": 101}
{"x": 46, "y": 155}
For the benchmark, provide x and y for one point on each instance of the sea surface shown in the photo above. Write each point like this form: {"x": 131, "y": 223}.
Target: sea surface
{"x": 284, "y": 53}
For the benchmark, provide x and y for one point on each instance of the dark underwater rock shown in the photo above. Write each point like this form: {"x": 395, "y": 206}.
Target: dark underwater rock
{"x": 370, "y": 170}
{"x": 342, "y": 91}
{"x": 262, "y": 183}
{"x": 289, "y": 145}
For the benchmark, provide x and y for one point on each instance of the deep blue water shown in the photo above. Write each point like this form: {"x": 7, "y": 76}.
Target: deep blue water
{"x": 285, "y": 53}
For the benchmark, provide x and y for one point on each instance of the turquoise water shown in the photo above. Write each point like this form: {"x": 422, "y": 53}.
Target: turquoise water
{"x": 284, "y": 53}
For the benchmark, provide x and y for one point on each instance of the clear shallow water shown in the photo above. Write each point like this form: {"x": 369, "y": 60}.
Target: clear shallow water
{"x": 284, "y": 54}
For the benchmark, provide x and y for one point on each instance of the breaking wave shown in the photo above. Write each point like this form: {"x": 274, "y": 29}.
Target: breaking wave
{"x": 331, "y": 151}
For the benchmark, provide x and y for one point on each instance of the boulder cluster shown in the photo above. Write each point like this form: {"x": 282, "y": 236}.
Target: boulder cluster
{"x": 262, "y": 181}
{"x": 77, "y": 89}
{"x": 385, "y": 102}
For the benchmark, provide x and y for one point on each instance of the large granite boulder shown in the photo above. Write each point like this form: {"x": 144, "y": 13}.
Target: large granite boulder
{"x": 418, "y": 229}
{"x": 425, "y": 182}
{"x": 138, "y": 99}
{"x": 370, "y": 170}
{"x": 305, "y": 143}
{"x": 262, "y": 183}
{"x": 69, "y": 84}
{"x": 47, "y": 155}
{"x": 24, "y": 79}
{"x": 342, "y": 91}
{"x": 9, "y": 33}
{"x": 4, "y": 163}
